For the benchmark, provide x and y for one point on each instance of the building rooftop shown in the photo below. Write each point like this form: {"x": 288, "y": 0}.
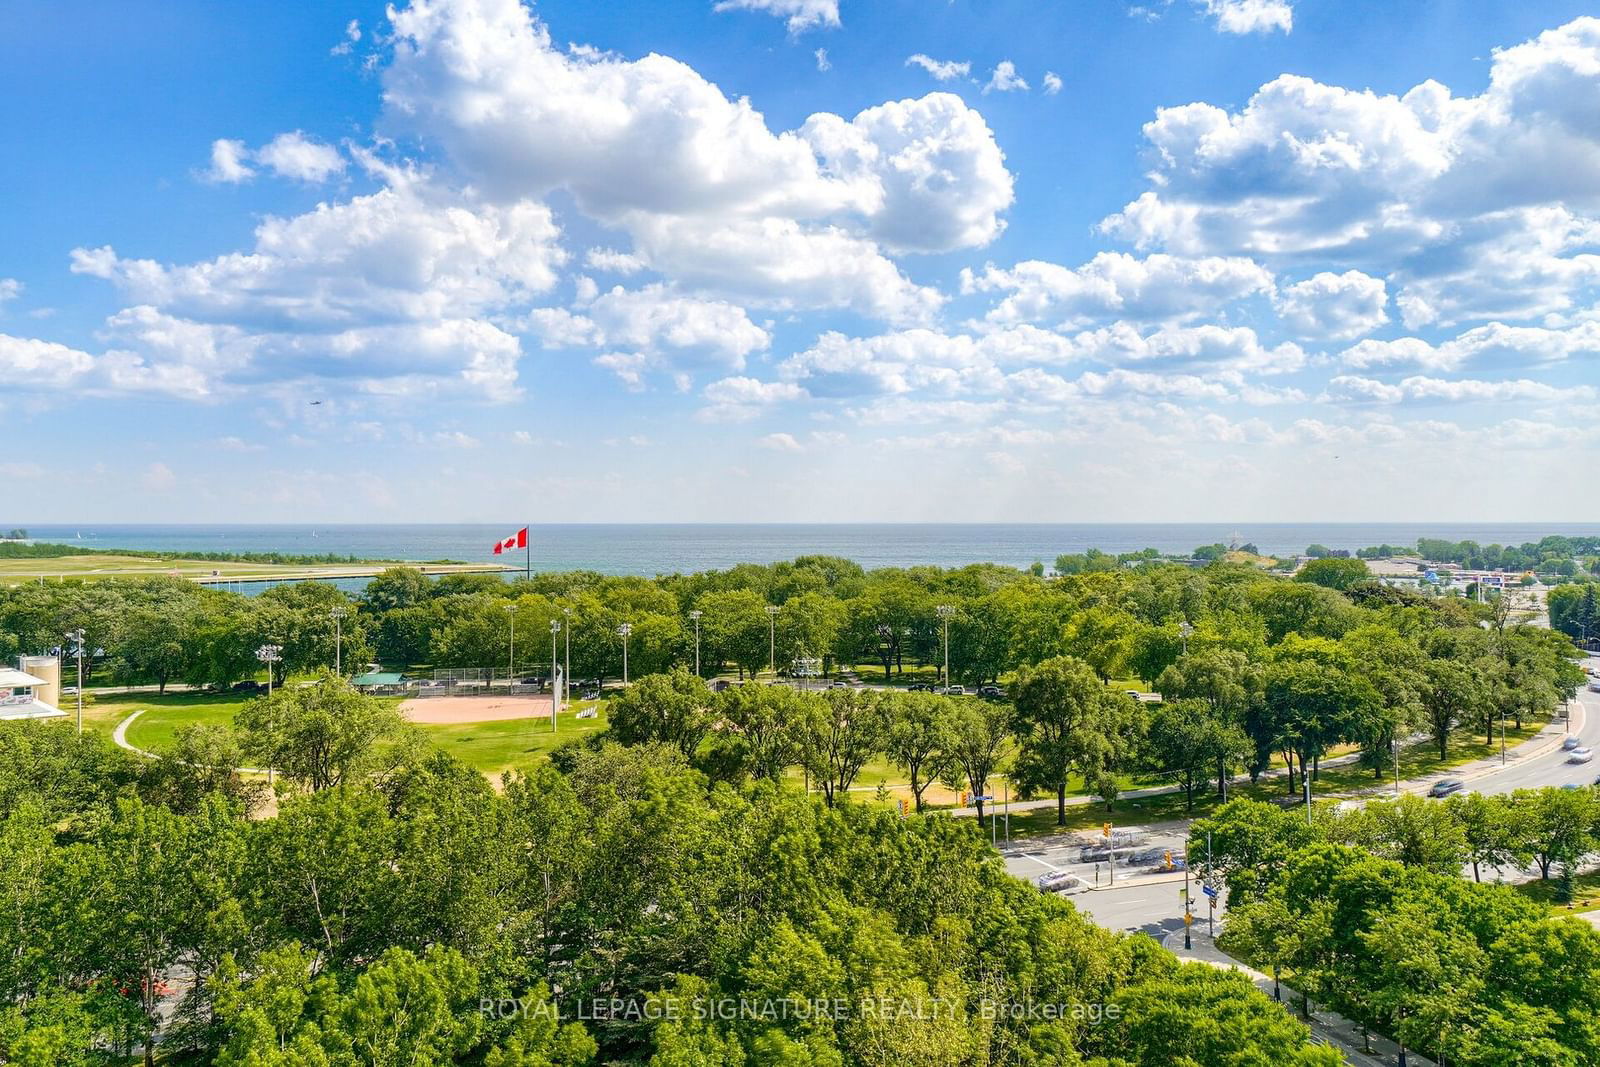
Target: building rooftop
{"x": 11, "y": 678}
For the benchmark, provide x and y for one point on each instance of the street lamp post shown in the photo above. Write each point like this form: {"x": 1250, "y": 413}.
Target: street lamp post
{"x": 695, "y": 615}
{"x": 76, "y": 637}
{"x": 944, "y": 612}
{"x": 623, "y": 631}
{"x": 338, "y": 614}
{"x": 772, "y": 638}
{"x": 555, "y": 688}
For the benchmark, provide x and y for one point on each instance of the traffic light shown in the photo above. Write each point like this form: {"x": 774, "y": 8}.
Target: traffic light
{"x": 964, "y": 797}
{"x": 902, "y": 803}
{"x": 1166, "y": 859}
{"x": 1105, "y": 829}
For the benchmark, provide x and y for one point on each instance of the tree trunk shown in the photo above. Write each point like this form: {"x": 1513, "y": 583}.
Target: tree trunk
{"x": 1061, "y": 804}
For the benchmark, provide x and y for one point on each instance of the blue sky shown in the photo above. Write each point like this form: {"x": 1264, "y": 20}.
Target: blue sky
{"x": 798, "y": 260}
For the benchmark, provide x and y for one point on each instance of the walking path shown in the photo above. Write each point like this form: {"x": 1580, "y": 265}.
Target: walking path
{"x": 1327, "y": 1027}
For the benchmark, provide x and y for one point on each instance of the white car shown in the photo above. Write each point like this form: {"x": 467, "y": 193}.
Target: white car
{"x": 1580, "y": 755}
{"x": 1056, "y": 881}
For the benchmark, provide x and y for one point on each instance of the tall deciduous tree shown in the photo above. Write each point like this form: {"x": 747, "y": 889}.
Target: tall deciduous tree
{"x": 839, "y": 732}
{"x": 919, "y": 737}
{"x": 319, "y": 735}
{"x": 980, "y": 734}
{"x": 1066, "y": 721}
{"x": 1189, "y": 738}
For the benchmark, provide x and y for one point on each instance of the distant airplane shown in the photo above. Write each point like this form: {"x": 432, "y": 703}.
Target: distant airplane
{"x": 314, "y": 403}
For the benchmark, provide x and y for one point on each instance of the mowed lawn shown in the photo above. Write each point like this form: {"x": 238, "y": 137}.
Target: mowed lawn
{"x": 490, "y": 747}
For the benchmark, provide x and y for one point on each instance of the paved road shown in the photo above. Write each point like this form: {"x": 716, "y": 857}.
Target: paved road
{"x": 1151, "y": 903}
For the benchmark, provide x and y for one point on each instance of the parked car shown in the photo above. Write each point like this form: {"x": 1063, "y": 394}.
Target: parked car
{"x": 957, "y": 690}
{"x": 919, "y": 687}
{"x": 1445, "y": 786}
{"x": 991, "y": 692}
{"x": 1134, "y": 693}
{"x": 247, "y": 686}
{"x": 1569, "y": 743}
{"x": 839, "y": 683}
{"x": 1580, "y": 755}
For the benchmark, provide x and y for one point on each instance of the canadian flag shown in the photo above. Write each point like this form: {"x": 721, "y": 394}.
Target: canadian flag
{"x": 516, "y": 540}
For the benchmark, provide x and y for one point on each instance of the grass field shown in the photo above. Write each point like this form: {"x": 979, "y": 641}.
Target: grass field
{"x": 134, "y": 566}
{"x": 1585, "y": 893}
{"x": 164, "y": 716}
{"x": 490, "y": 747}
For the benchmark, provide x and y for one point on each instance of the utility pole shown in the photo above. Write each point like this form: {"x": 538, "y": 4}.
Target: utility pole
{"x": 945, "y": 611}
{"x": 566, "y": 663}
{"x": 695, "y": 615}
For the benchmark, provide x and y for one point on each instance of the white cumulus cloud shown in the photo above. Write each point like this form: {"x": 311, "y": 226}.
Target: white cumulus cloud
{"x": 1334, "y": 306}
{"x": 1005, "y": 79}
{"x": 1250, "y": 16}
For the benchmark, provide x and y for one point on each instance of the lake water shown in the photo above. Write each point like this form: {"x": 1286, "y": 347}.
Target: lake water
{"x": 661, "y": 549}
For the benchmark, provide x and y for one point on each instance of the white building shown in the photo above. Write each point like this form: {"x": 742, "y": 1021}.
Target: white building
{"x": 20, "y": 697}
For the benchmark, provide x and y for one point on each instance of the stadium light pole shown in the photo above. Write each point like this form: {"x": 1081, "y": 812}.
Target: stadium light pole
{"x": 695, "y": 615}
{"x": 566, "y": 663}
{"x": 555, "y": 688}
{"x": 338, "y": 614}
{"x": 944, "y": 612}
{"x": 772, "y": 638}
{"x": 511, "y": 656}
{"x": 76, "y": 637}
{"x": 269, "y": 654}
{"x": 623, "y": 631}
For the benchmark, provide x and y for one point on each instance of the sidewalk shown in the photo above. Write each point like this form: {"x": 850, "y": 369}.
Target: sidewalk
{"x": 1327, "y": 1027}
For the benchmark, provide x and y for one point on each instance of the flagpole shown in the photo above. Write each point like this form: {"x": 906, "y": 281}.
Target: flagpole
{"x": 527, "y": 558}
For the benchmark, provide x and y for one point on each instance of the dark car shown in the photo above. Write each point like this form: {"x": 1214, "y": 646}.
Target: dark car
{"x": 919, "y": 687}
{"x": 1445, "y": 786}
{"x": 247, "y": 687}
{"x": 991, "y": 692}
